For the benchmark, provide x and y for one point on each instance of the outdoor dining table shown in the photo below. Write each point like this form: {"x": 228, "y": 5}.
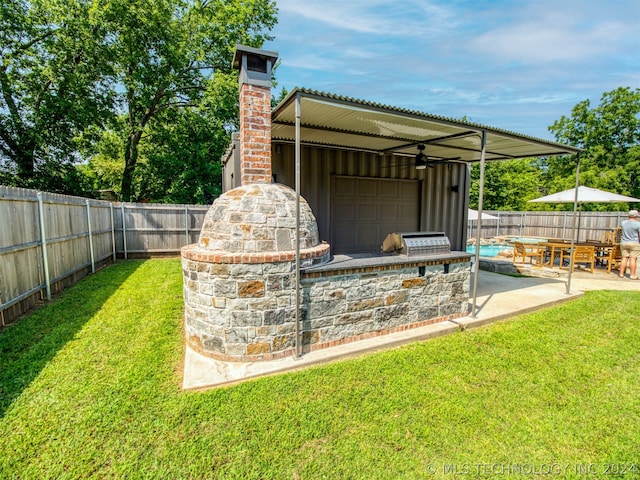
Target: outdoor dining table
{"x": 554, "y": 248}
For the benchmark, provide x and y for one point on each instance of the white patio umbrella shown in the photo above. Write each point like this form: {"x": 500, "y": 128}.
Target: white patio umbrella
{"x": 473, "y": 215}
{"x": 585, "y": 195}
{"x": 472, "y": 219}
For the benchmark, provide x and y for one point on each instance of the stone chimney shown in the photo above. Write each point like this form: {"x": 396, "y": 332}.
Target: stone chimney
{"x": 255, "y": 113}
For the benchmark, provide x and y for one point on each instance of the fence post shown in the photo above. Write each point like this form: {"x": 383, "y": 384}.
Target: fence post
{"x": 113, "y": 232}
{"x": 124, "y": 231}
{"x": 186, "y": 224}
{"x": 43, "y": 238}
{"x": 93, "y": 259}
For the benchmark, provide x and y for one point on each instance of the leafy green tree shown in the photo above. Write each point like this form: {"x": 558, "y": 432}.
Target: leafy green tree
{"x": 610, "y": 136}
{"x": 52, "y": 85}
{"x": 178, "y": 164}
{"x": 507, "y": 185}
{"x": 104, "y": 148}
{"x": 74, "y": 73}
{"x": 276, "y": 99}
{"x": 166, "y": 51}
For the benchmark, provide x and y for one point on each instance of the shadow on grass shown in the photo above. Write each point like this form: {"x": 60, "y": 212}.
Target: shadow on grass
{"x": 30, "y": 344}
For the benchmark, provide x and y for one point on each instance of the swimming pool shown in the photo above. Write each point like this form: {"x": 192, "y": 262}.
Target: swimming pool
{"x": 489, "y": 250}
{"x": 534, "y": 240}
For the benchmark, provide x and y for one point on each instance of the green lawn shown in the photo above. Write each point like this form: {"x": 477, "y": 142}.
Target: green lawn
{"x": 90, "y": 387}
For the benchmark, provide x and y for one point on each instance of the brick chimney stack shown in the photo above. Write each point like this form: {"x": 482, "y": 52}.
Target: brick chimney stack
{"x": 255, "y": 113}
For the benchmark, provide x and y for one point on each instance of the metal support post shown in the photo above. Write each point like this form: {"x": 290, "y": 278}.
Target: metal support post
{"x": 113, "y": 232}
{"x": 186, "y": 225}
{"x": 298, "y": 344}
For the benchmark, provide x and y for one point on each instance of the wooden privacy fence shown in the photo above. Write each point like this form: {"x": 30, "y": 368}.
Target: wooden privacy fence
{"x": 588, "y": 225}
{"x": 49, "y": 241}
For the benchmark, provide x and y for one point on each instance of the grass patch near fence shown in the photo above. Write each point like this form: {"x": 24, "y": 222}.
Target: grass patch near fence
{"x": 556, "y": 388}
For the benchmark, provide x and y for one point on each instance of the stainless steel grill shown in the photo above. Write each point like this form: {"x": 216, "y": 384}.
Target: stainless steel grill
{"x": 425, "y": 243}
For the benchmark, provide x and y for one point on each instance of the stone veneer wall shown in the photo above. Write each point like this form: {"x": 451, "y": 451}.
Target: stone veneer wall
{"x": 239, "y": 311}
{"x": 246, "y": 312}
{"x": 370, "y": 301}
{"x": 242, "y": 306}
{"x": 257, "y": 219}
{"x": 239, "y": 279}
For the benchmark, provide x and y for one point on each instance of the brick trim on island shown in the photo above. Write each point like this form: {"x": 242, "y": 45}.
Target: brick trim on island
{"x": 193, "y": 252}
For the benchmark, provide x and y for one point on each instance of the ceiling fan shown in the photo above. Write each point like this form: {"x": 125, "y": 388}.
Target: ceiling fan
{"x": 422, "y": 161}
{"x": 421, "y": 158}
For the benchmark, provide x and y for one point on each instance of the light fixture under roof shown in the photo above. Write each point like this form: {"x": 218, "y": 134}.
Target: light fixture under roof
{"x": 421, "y": 158}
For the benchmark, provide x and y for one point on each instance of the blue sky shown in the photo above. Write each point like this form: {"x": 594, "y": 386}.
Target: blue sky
{"x": 518, "y": 65}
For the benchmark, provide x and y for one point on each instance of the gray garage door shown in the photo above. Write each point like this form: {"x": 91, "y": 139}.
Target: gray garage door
{"x": 365, "y": 210}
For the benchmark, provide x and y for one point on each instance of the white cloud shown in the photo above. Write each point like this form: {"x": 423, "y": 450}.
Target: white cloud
{"x": 541, "y": 42}
{"x": 543, "y": 31}
{"x": 376, "y": 17}
{"x": 342, "y": 15}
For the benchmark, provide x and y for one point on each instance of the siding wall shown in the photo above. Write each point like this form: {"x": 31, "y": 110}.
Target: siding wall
{"x": 441, "y": 208}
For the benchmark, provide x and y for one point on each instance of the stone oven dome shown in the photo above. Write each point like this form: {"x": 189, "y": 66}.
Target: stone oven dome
{"x": 257, "y": 218}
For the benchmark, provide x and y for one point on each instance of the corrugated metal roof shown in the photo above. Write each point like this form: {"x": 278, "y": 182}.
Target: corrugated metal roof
{"x": 342, "y": 122}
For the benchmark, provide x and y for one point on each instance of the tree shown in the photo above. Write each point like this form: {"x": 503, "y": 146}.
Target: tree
{"x": 610, "y": 136}
{"x": 508, "y": 184}
{"x": 51, "y": 88}
{"x": 177, "y": 165}
{"x": 76, "y": 72}
{"x": 166, "y": 51}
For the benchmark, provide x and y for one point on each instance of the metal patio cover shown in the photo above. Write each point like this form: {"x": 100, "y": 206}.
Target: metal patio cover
{"x": 341, "y": 122}
{"x": 315, "y": 118}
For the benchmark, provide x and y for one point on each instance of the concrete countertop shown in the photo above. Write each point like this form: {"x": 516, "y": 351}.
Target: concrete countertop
{"x": 364, "y": 260}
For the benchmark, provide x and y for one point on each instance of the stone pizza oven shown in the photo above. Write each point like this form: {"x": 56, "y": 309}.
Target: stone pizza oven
{"x": 239, "y": 279}
{"x": 256, "y": 221}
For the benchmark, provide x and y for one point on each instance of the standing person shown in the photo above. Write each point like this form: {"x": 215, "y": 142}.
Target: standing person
{"x": 630, "y": 245}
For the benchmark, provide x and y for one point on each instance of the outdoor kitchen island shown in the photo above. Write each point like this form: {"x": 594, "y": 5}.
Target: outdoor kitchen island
{"x": 245, "y": 302}
{"x": 359, "y": 296}
{"x": 261, "y": 283}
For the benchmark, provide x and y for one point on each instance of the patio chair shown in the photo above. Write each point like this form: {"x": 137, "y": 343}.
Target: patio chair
{"x": 614, "y": 258}
{"x": 603, "y": 247}
{"x": 522, "y": 251}
{"x": 581, "y": 255}
{"x": 615, "y": 255}
{"x": 608, "y": 237}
